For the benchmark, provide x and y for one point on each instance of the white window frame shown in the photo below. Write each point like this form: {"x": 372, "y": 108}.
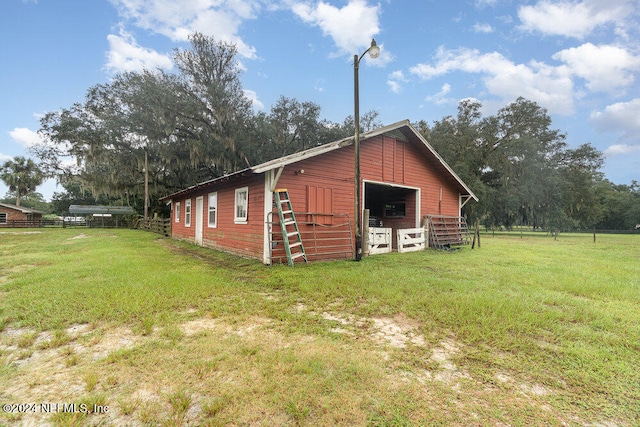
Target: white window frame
{"x": 177, "y": 212}
{"x": 187, "y": 213}
{"x": 240, "y": 204}
{"x": 212, "y": 207}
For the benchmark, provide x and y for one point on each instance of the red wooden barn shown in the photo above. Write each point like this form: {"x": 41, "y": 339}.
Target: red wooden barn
{"x": 403, "y": 180}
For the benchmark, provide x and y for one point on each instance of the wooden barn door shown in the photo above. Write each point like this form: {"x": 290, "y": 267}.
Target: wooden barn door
{"x": 199, "y": 219}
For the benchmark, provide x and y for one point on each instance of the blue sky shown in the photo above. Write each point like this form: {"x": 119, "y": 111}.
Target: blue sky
{"x": 578, "y": 59}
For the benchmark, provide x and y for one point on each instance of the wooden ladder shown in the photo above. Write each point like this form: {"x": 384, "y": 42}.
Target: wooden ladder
{"x": 287, "y": 218}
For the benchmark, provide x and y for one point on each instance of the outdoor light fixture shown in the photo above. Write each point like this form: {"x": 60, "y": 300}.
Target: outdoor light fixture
{"x": 374, "y": 52}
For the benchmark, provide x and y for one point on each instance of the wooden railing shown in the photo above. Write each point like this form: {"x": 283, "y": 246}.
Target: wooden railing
{"x": 325, "y": 236}
{"x": 30, "y": 223}
{"x": 155, "y": 225}
{"x": 411, "y": 239}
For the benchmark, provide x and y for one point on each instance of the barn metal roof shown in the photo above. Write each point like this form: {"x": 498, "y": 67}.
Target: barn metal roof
{"x": 402, "y": 130}
{"x": 96, "y": 209}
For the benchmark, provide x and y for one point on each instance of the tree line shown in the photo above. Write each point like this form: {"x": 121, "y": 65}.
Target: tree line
{"x": 188, "y": 126}
{"x": 524, "y": 173}
{"x": 196, "y": 123}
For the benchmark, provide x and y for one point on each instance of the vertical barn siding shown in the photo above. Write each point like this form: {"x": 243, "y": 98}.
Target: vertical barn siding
{"x": 386, "y": 159}
{"x": 383, "y": 159}
{"x": 333, "y": 170}
{"x": 241, "y": 239}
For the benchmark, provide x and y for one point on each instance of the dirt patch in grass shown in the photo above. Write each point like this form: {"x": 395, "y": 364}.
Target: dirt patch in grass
{"x": 526, "y": 389}
{"x": 79, "y": 236}
{"x": 217, "y": 373}
{"x": 380, "y": 370}
{"x": 84, "y": 366}
{"x": 196, "y": 326}
{"x": 397, "y": 332}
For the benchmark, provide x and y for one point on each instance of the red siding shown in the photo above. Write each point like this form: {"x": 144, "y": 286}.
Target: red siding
{"x": 329, "y": 173}
{"x": 309, "y": 182}
{"x": 242, "y": 239}
{"x": 385, "y": 159}
{"x": 333, "y": 170}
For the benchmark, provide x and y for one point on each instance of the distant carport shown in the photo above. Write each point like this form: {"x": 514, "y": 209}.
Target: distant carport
{"x": 97, "y": 210}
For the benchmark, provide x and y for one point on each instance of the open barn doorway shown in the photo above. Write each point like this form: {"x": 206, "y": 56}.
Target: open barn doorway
{"x": 392, "y": 206}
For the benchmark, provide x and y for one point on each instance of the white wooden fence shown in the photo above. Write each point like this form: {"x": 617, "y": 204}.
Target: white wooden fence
{"x": 379, "y": 240}
{"x": 411, "y": 239}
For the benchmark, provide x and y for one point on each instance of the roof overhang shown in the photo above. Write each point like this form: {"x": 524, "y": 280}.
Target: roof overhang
{"x": 21, "y": 209}
{"x": 205, "y": 184}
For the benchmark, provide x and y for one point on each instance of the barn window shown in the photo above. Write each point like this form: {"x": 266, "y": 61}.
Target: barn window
{"x": 320, "y": 202}
{"x": 395, "y": 210}
{"x": 213, "y": 210}
{"x": 187, "y": 213}
{"x": 177, "y": 213}
{"x": 242, "y": 202}
{"x": 3, "y": 217}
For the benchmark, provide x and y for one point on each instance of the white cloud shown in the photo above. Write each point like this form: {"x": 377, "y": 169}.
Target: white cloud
{"x": 482, "y": 28}
{"x": 5, "y": 157}
{"x": 396, "y": 80}
{"x": 483, "y": 3}
{"x": 253, "y": 97}
{"x": 351, "y": 27}
{"x": 621, "y": 117}
{"x": 620, "y": 149}
{"x": 440, "y": 97}
{"x": 25, "y": 137}
{"x": 606, "y": 67}
{"x": 551, "y": 87}
{"x": 574, "y": 18}
{"x": 177, "y": 19}
{"x": 126, "y": 55}
{"x": 394, "y": 86}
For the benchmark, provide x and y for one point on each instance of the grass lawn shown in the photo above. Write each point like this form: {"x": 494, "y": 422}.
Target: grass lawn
{"x": 121, "y": 327}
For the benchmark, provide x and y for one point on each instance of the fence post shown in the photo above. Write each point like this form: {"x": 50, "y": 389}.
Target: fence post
{"x": 365, "y": 232}
{"x": 425, "y": 225}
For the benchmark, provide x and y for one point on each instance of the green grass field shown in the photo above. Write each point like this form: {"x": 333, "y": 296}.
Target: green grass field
{"x": 139, "y": 330}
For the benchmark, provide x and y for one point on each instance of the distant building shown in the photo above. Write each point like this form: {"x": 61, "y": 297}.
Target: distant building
{"x": 19, "y": 216}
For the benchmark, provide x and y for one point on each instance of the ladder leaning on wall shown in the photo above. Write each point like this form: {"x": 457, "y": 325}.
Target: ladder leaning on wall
{"x": 287, "y": 218}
